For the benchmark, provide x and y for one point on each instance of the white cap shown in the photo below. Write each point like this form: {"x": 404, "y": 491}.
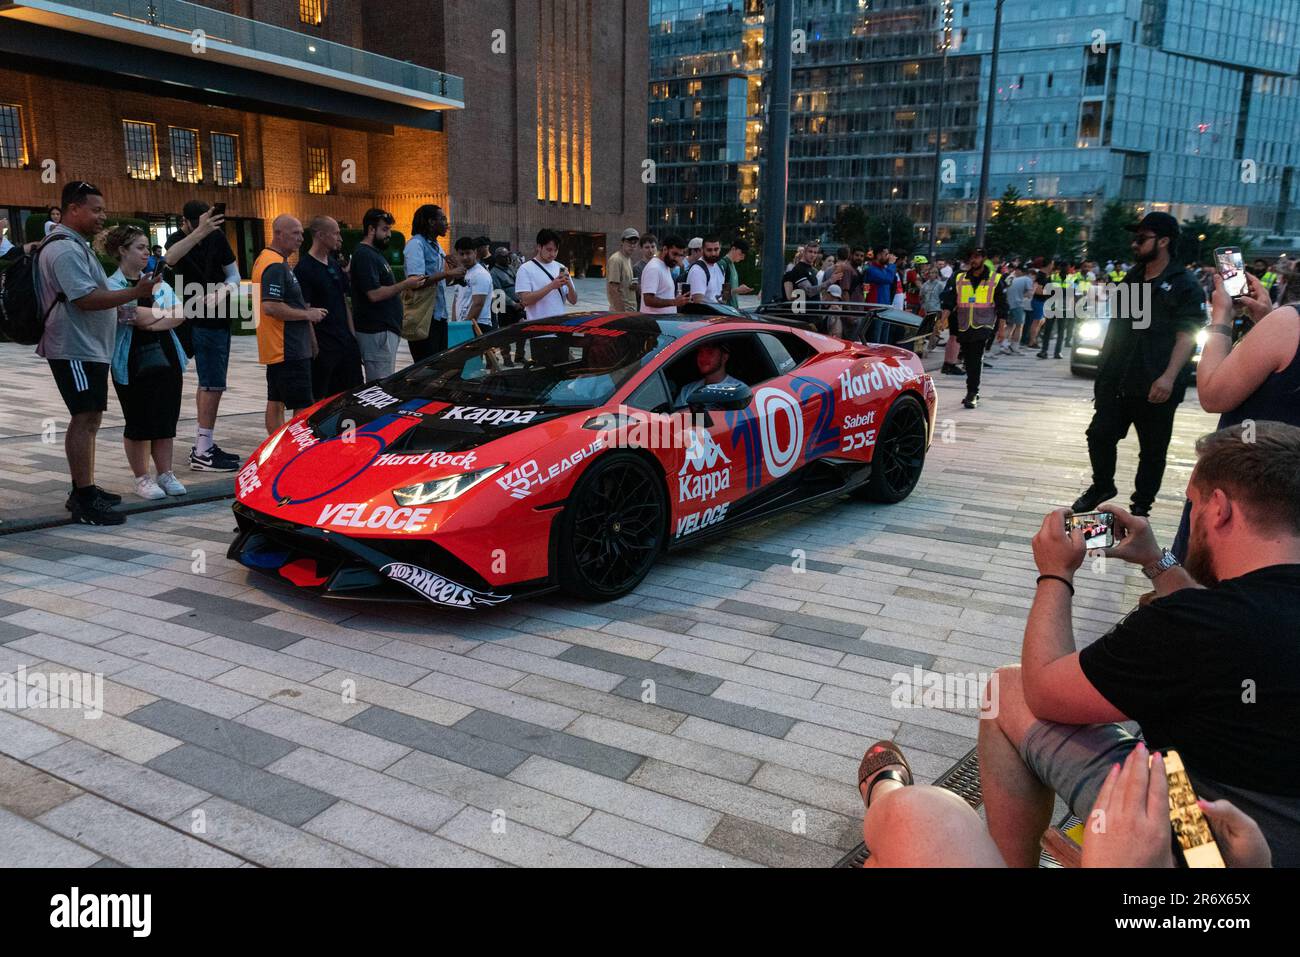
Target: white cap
{"x": 696, "y": 243}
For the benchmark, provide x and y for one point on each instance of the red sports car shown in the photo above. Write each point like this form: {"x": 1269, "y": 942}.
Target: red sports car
{"x": 570, "y": 452}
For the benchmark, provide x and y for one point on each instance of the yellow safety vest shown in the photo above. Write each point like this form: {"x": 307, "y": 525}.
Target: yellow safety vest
{"x": 1268, "y": 279}
{"x": 975, "y": 308}
{"x": 1116, "y": 275}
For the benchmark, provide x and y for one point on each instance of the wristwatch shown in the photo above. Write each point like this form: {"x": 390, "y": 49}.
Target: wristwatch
{"x": 1161, "y": 565}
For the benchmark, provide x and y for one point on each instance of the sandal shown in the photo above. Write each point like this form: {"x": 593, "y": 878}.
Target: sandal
{"x": 876, "y": 761}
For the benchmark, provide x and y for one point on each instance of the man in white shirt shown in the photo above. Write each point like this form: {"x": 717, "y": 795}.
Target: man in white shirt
{"x": 542, "y": 284}
{"x": 658, "y": 288}
{"x": 474, "y": 296}
{"x": 705, "y": 275}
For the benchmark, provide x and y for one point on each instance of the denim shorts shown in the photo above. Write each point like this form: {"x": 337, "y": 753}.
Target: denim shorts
{"x": 1017, "y": 317}
{"x": 1074, "y": 759}
{"x": 211, "y": 357}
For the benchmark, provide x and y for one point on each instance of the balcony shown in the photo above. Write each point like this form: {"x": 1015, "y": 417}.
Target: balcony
{"x": 226, "y": 54}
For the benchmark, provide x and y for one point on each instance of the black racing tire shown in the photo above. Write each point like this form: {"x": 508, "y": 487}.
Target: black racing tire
{"x": 900, "y": 452}
{"x": 613, "y": 528}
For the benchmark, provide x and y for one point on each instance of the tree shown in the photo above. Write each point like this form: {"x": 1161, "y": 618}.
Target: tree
{"x": 894, "y": 230}
{"x": 1041, "y": 238}
{"x": 1192, "y": 249}
{"x": 1110, "y": 240}
{"x": 850, "y": 225}
{"x": 734, "y": 221}
{"x": 1006, "y": 233}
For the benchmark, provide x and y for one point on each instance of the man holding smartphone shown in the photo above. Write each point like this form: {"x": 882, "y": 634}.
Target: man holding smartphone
{"x": 1143, "y": 370}
{"x": 542, "y": 284}
{"x": 204, "y": 264}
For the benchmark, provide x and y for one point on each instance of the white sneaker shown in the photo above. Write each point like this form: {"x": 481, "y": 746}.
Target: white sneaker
{"x": 146, "y": 487}
{"x": 170, "y": 484}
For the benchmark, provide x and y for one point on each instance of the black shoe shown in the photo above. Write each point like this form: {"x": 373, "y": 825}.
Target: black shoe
{"x": 951, "y": 368}
{"x": 1056, "y": 357}
{"x": 95, "y": 511}
{"x": 1041, "y": 355}
{"x": 108, "y": 498}
{"x": 1093, "y": 497}
{"x": 971, "y": 401}
{"x": 213, "y": 460}
{"x": 1141, "y": 511}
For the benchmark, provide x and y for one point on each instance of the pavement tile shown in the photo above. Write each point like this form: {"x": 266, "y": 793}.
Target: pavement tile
{"x": 28, "y": 791}
{"x": 118, "y": 780}
{"x": 660, "y": 672}
{"x": 265, "y": 840}
{"x": 706, "y": 706}
{"x": 649, "y": 846}
{"x": 518, "y": 844}
{"x": 558, "y": 745}
{"x": 379, "y": 792}
{"x": 392, "y": 842}
{"x": 665, "y": 747}
{"x": 232, "y": 739}
{"x": 325, "y": 736}
{"x": 769, "y": 846}
{"x": 432, "y": 738}
{"x": 24, "y": 843}
{"x": 599, "y": 703}
{"x": 417, "y": 703}
{"x": 505, "y": 702}
{"x": 259, "y": 790}
{"x": 131, "y": 838}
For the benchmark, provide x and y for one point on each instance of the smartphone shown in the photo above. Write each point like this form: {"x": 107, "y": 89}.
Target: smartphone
{"x": 218, "y": 209}
{"x": 1232, "y": 269}
{"x": 1098, "y": 528}
{"x": 1191, "y": 830}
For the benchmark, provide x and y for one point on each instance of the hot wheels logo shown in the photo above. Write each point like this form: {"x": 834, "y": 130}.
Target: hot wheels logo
{"x": 439, "y": 590}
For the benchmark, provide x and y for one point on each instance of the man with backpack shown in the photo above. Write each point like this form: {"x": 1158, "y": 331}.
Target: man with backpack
{"x": 705, "y": 276}
{"x": 80, "y": 326}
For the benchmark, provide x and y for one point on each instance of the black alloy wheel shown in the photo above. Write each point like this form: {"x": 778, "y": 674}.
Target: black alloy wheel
{"x": 900, "y": 452}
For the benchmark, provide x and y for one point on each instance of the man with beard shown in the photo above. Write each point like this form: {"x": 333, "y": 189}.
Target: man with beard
{"x": 1143, "y": 370}
{"x": 376, "y": 306}
{"x": 1211, "y": 667}
{"x": 974, "y": 301}
{"x": 658, "y": 288}
{"x": 711, "y": 362}
{"x": 705, "y": 275}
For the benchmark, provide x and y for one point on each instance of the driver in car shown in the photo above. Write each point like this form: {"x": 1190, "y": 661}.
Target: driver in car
{"x": 711, "y": 360}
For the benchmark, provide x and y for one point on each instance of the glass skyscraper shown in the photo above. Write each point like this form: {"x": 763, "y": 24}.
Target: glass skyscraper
{"x": 1189, "y": 106}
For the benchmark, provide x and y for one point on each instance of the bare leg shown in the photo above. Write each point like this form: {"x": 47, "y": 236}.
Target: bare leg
{"x": 1018, "y": 806}
{"x": 951, "y": 350}
{"x": 137, "y": 456}
{"x": 274, "y": 417}
{"x": 79, "y": 446}
{"x": 162, "y": 455}
{"x": 924, "y": 826}
{"x": 207, "y": 404}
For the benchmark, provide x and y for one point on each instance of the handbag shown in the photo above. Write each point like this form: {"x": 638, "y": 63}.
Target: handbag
{"x": 147, "y": 361}
{"x": 417, "y": 312}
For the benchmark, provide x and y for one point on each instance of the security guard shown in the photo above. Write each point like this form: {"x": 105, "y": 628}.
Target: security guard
{"x": 974, "y": 301}
{"x": 1144, "y": 366}
{"x": 1267, "y": 277}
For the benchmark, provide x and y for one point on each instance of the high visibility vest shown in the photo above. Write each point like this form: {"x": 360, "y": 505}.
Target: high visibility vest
{"x": 1056, "y": 278}
{"x": 1268, "y": 279}
{"x": 975, "y": 308}
{"x": 1116, "y": 275}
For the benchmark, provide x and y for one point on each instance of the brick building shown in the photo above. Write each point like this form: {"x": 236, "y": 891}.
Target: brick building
{"x": 512, "y": 114}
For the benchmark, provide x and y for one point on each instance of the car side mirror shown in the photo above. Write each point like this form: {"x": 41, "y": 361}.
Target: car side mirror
{"x": 722, "y": 397}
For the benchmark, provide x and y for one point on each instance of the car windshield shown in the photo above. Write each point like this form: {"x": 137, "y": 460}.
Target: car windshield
{"x": 566, "y": 362}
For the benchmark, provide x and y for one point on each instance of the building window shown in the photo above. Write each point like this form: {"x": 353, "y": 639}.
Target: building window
{"x": 13, "y": 147}
{"x": 564, "y": 104}
{"x": 318, "y": 169}
{"x": 141, "y": 150}
{"x": 225, "y": 159}
{"x": 311, "y": 12}
{"x": 186, "y": 167}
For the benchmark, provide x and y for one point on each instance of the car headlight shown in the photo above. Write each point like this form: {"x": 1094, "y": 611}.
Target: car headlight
{"x": 269, "y": 447}
{"x": 1201, "y": 337}
{"x": 1090, "y": 330}
{"x": 443, "y": 489}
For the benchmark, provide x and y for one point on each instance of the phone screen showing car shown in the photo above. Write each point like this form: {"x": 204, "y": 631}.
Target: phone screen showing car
{"x": 1098, "y": 528}
{"x": 1232, "y": 269}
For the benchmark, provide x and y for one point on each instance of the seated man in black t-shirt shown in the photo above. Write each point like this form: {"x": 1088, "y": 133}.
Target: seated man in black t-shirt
{"x": 1210, "y": 667}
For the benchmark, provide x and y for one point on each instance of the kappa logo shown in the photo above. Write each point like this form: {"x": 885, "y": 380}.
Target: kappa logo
{"x": 439, "y": 590}
{"x": 703, "y": 453}
{"x": 360, "y": 515}
{"x": 248, "y": 479}
{"x": 431, "y": 460}
{"x": 520, "y": 482}
{"x": 375, "y": 398}
{"x": 469, "y": 413}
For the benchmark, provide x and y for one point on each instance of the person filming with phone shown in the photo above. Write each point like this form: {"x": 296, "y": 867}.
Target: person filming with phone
{"x": 1210, "y": 667}
{"x": 542, "y": 284}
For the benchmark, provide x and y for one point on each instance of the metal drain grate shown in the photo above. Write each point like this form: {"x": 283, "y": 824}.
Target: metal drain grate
{"x": 962, "y": 779}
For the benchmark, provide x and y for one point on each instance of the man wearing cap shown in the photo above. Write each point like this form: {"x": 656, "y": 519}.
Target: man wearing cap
{"x": 619, "y": 277}
{"x": 1143, "y": 370}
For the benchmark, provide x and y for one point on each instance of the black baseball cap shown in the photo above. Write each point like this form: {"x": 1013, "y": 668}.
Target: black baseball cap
{"x": 1161, "y": 224}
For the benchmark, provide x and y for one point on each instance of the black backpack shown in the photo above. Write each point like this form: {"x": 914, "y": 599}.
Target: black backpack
{"x": 21, "y": 318}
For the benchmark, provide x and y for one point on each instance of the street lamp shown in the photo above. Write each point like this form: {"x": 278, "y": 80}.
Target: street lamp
{"x": 890, "y": 212}
{"x": 981, "y": 213}
{"x": 945, "y": 43}
{"x": 1059, "y": 231}
{"x": 1200, "y": 248}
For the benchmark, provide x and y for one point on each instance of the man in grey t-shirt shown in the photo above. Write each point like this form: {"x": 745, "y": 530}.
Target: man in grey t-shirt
{"x": 80, "y": 328}
{"x": 1020, "y": 298}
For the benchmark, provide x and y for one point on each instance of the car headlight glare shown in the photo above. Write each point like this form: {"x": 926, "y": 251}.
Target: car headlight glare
{"x": 443, "y": 489}
{"x": 1090, "y": 330}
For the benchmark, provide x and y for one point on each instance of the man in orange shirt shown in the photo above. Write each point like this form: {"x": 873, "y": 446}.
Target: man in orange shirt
{"x": 286, "y": 341}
